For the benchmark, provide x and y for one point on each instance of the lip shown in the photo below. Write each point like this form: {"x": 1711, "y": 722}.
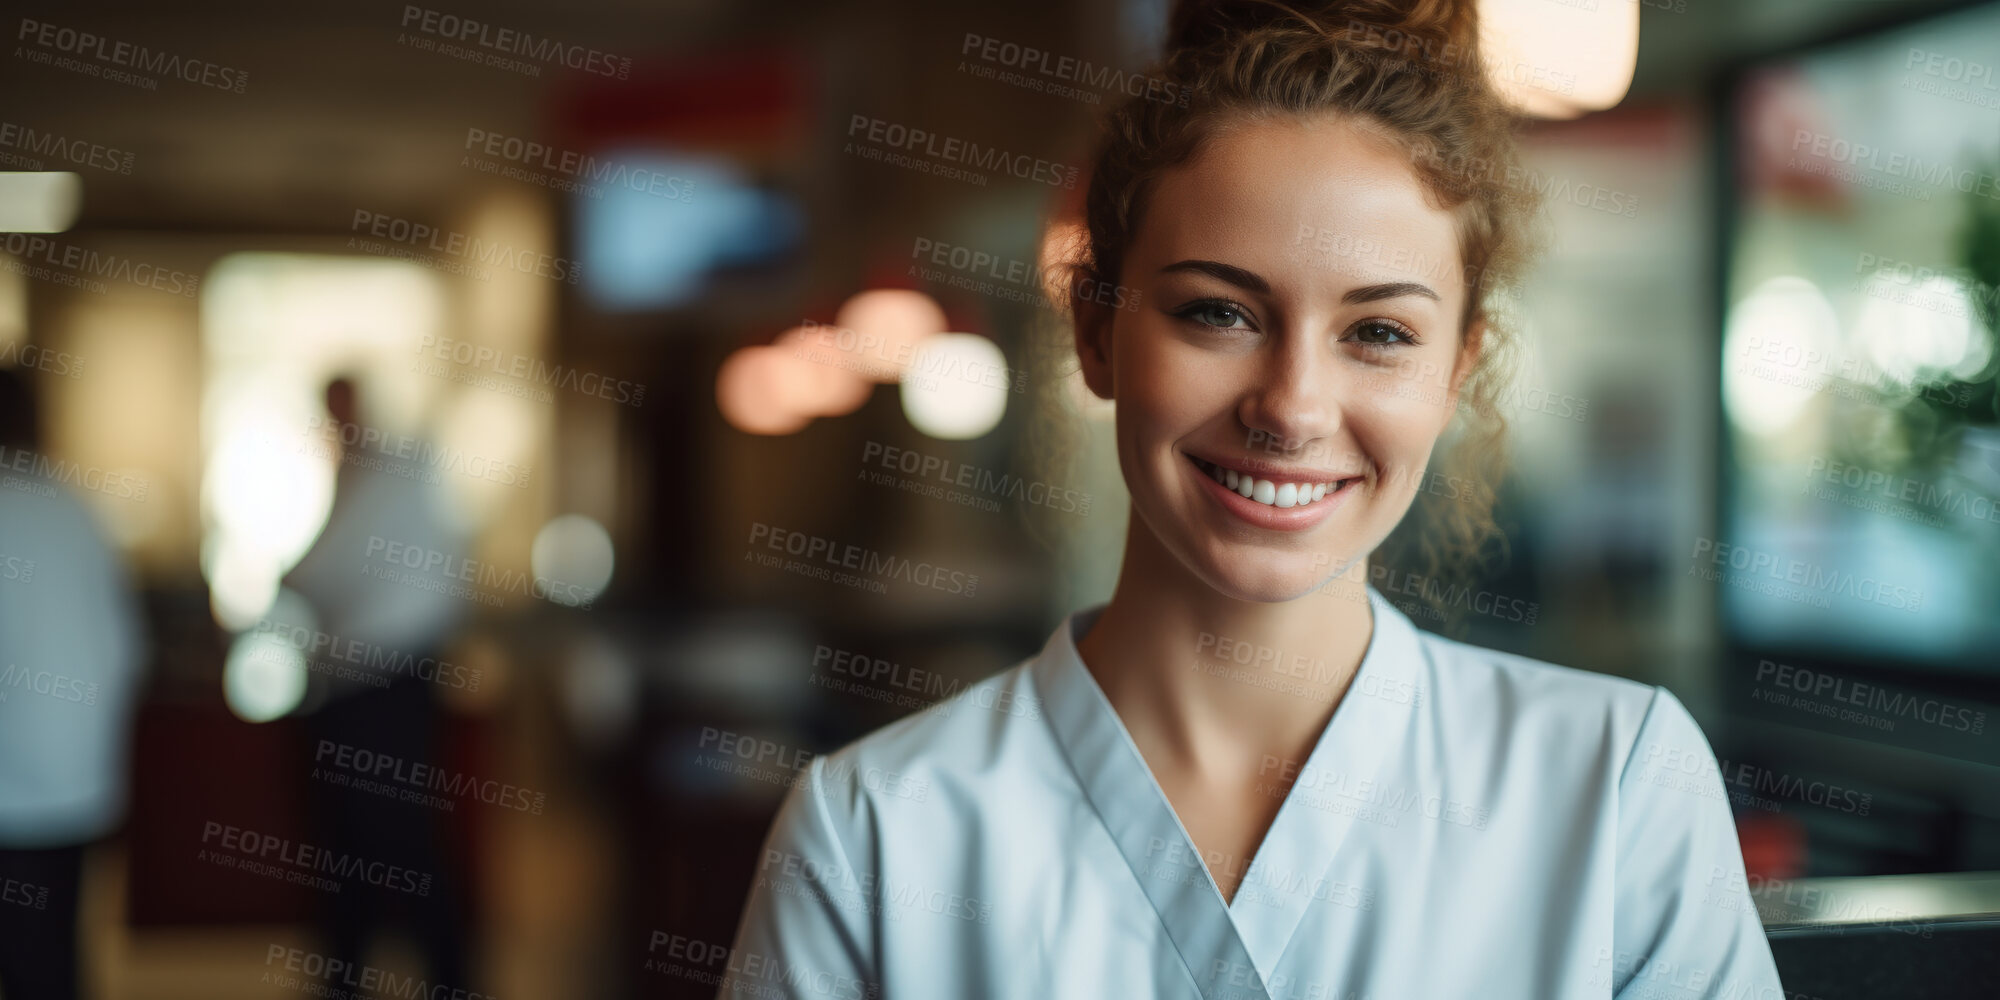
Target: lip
{"x": 1267, "y": 516}
{"x": 1275, "y": 472}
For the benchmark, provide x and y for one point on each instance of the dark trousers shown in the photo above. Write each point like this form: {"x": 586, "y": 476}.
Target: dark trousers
{"x": 402, "y": 721}
{"x": 38, "y": 910}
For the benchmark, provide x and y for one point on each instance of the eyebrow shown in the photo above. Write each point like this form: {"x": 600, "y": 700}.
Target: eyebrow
{"x": 1250, "y": 280}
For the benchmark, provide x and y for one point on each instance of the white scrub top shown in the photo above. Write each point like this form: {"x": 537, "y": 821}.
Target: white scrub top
{"x": 1470, "y": 824}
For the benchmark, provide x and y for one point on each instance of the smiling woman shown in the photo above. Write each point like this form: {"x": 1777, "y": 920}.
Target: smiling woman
{"x": 1338, "y": 800}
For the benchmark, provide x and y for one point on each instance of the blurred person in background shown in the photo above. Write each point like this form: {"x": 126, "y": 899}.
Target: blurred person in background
{"x": 71, "y": 651}
{"x": 384, "y": 700}
{"x": 1312, "y": 238}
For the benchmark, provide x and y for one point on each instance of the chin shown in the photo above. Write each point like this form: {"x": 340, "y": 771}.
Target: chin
{"x": 1265, "y": 579}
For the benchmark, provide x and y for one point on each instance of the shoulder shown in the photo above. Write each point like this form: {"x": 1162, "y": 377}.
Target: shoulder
{"x": 987, "y": 735}
{"x": 1559, "y": 709}
{"x": 970, "y": 738}
{"x": 1522, "y": 685}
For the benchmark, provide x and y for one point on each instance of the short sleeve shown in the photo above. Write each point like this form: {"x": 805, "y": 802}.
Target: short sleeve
{"x": 808, "y": 927}
{"x": 1684, "y": 925}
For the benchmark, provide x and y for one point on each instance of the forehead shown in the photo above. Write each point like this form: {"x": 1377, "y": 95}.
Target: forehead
{"x": 1324, "y": 195}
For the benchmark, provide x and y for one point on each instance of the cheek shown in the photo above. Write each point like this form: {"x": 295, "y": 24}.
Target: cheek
{"x": 1397, "y": 417}
{"x": 1169, "y": 387}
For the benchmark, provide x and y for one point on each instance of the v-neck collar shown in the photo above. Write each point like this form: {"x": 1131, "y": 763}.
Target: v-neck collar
{"x": 1233, "y": 947}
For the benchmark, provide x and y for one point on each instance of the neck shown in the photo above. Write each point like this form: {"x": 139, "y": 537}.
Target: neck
{"x": 1218, "y": 684}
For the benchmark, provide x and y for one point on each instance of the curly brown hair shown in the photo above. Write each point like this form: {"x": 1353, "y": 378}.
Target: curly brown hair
{"x": 1408, "y": 69}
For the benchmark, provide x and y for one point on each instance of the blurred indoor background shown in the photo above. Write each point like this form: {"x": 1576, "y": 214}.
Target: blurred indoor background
{"x": 586, "y": 284}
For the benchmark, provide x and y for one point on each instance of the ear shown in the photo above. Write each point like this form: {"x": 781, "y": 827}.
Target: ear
{"x": 1471, "y": 344}
{"x": 1092, "y": 326}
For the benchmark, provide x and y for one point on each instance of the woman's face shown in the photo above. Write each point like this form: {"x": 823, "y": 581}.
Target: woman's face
{"x": 1298, "y": 336}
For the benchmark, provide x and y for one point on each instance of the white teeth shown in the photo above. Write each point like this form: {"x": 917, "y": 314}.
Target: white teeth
{"x": 1265, "y": 491}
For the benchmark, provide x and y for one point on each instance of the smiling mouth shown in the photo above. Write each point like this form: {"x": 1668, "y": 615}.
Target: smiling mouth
{"x": 1270, "y": 493}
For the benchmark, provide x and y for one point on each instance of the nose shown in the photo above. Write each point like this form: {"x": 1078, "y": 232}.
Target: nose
{"x": 1295, "y": 402}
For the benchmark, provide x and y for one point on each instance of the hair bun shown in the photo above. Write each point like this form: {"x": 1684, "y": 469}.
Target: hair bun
{"x": 1445, "y": 31}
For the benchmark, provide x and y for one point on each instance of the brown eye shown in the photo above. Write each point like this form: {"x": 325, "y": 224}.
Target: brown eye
{"x": 1213, "y": 312}
{"x": 1381, "y": 332}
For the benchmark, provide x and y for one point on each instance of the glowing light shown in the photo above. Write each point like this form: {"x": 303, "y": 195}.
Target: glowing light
{"x": 826, "y": 371}
{"x": 890, "y": 322}
{"x": 1556, "y": 60}
{"x": 1778, "y": 346}
{"x": 1916, "y": 332}
{"x": 835, "y": 388}
{"x": 761, "y": 391}
{"x": 264, "y": 677}
{"x": 576, "y": 552}
{"x": 957, "y": 386}
{"x": 39, "y": 201}
{"x": 273, "y": 327}
{"x": 242, "y": 581}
